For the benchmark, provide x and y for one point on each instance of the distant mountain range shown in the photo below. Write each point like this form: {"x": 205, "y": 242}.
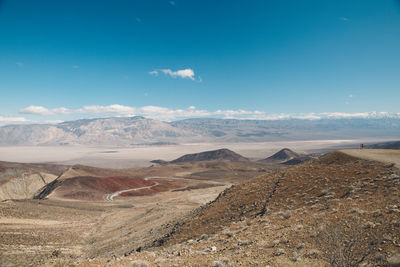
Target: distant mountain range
{"x": 142, "y": 131}
{"x": 385, "y": 145}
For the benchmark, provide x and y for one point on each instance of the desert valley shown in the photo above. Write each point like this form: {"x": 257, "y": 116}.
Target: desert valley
{"x": 209, "y": 208}
{"x": 172, "y": 133}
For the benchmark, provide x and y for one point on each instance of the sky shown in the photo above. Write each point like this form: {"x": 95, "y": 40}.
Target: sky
{"x": 69, "y": 59}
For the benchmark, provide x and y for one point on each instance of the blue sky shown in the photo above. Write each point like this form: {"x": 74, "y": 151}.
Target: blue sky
{"x": 69, "y": 59}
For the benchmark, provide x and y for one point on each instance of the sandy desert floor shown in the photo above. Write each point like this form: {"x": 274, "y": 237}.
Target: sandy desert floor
{"x": 140, "y": 156}
{"x": 35, "y": 230}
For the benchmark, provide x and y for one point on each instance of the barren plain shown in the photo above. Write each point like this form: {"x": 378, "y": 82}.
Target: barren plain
{"x": 140, "y": 156}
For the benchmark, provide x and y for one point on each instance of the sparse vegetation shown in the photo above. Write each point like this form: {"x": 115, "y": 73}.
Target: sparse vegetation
{"x": 345, "y": 243}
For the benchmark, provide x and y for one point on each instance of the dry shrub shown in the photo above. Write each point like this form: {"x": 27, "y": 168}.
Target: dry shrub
{"x": 344, "y": 243}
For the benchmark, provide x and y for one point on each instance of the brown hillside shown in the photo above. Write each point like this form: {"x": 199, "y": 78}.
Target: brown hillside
{"x": 24, "y": 180}
{"x": 283, "y": 212}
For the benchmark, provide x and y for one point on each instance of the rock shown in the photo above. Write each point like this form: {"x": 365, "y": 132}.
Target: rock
{"x": 298, "y": 228}
{"x": 159, "y": 260}
{"x": 227, "y": 232}
{"x": 279, "y": 251}
{"x": 56, "y": 253}
{"x": 395, "y": 210}
{"x": 377, "y": 213}
{"x": 286, "y": 214}
{"x": 394, "y": 260}
{"x": 283, "y": 214}
{"x": 284, "y": 240}
{"x": 276, "y": 242}
{"x": 396, "y": 223}
{"x": 387, "y": 237}
{"x": 203, "y": 237}
{"x": 295, "y": 256}
{"x": 313, "y": 253}
{"x": 139, "y": 263}
{"x": 221, "y": 263}
{"x": 369, "y": 224}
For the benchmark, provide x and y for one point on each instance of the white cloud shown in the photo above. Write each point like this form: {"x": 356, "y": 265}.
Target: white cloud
{"x": 365, "y": 115}
{"x": 19, "y": 64}
{"x": 168, "y": 114}
{"x": 343, "y": 19}
{"x": 154, "y": 73}
{"x": 12, "y": 120}
{"x": 52, "y": 121}
{"x": 40, "y": 110}
{"x": 184, "y": 74}
{"x": 35, "y": 110}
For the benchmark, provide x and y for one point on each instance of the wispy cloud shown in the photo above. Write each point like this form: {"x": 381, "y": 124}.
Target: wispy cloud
{"x": 19, "y": 64}
{"x": 184, "y": 74}
{"x": 172, "y": 3}
{"x": 156, "y": 112}
{"x": 12, "y": 120}
{"x": 75, "y": 66}
{"x": 343, "y": 19}
{"x": 168, "y": 114}
{"x": 154, "y": 73}
{"x": 362, "y": 115}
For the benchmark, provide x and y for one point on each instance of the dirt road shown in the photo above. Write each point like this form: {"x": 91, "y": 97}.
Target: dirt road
{"x": 110, "y": 197}
{"x": 382, "y": 155}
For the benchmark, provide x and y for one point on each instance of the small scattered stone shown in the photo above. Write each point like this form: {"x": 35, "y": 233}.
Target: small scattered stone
{"x": 221, "y": 263}
{"x": 140, "y": 263}
{"x": 279, "y": 251}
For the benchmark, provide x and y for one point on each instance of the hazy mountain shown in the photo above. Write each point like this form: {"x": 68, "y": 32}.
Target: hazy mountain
{"x": 107, "y": 131}
{"x": 385, "y": 145}
{"x": 291, "y": 129}
{"x": 139, "y": 130}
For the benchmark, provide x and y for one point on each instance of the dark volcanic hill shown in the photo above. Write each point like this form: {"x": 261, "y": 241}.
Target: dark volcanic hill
{"x": 220, "y": 154}
{"x": 281, "y": 156}
{"x": 284, "y": 154}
